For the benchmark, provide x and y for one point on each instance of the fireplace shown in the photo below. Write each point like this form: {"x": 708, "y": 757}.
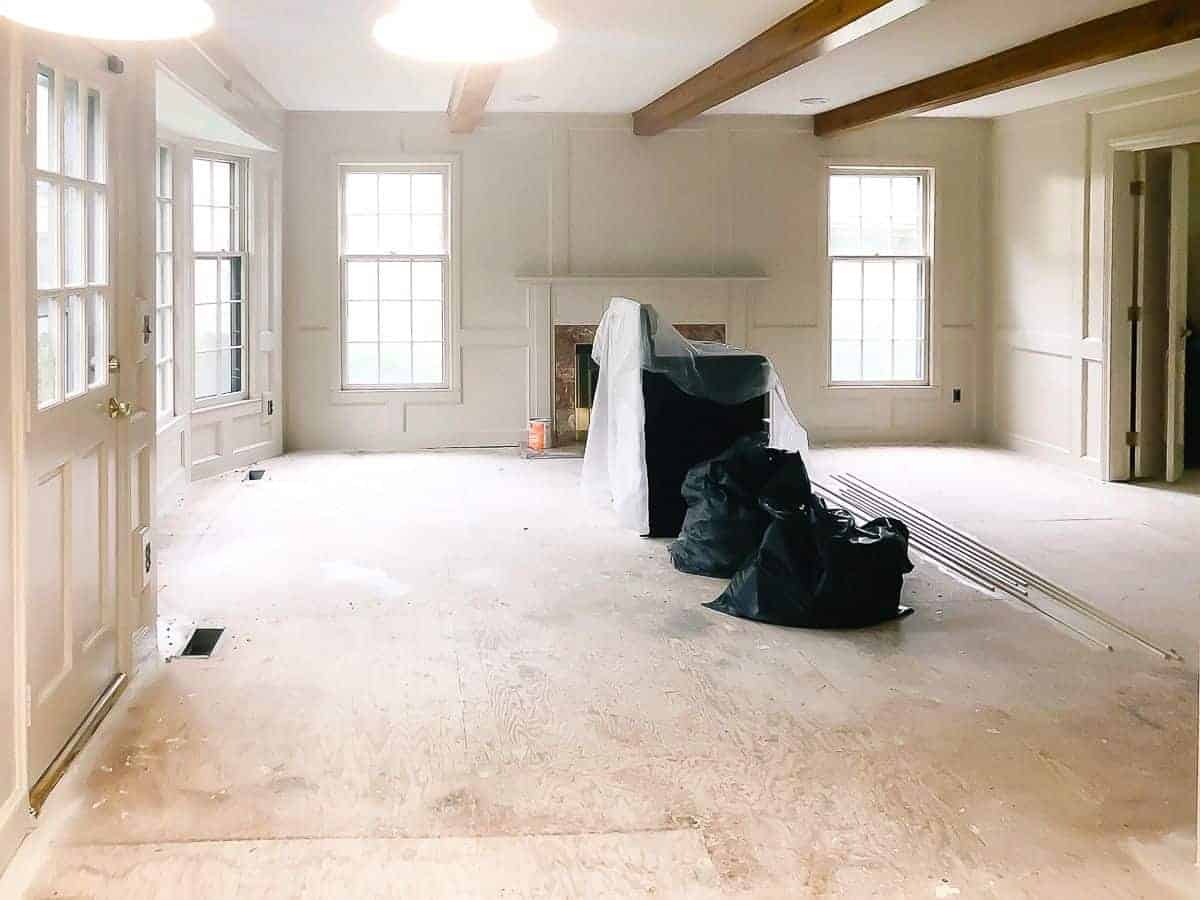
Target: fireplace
{"x": 575, "y": 375}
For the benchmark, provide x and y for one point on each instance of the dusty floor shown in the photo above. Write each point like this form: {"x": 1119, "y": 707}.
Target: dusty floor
{"x": 446, "y": 678}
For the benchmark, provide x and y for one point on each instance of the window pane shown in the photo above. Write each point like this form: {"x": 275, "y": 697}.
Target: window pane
{"x": 877, "y": 360}
{"x": 908, "y": 361}
{"x": 206, "y": 281}
{"x": 909, "y": 319}
{"x": 876, "y": 197}
{"x": 395, "y": 361}
{"x": 847, "y": 320}
{"x": 395, "y": 234}
{"x": 201, "y": 182}
{"x": 876, "y": 237}
{"x": 907, "y": 240}
{"x": 877, "y": 319}
{"x": 48, "y": 347}
{"x": 164, "y": 281}
{"x": 427, "y": 363}
{"x": 394, "y": 193}
{"x": 236, "y": 374}
{"x": 847, "y": 280}
{"x": 362, "y": 321}
{"x": 202, "y": 229}
{"x": 206, "y": 374}
{"x": 427, "y": 280}
{"x": 231, "y": 274}
{"x": 877, "y": 280}
{"x": 47, "y": 235}
{"x": 75, "y": 345}
{"x": 362, "y": 281}
{"x": 231, "y": 324}
{"x": 163, "y": 231}
{"x": 207, "y": 330}
{"x": 224, "y": 372}
{"x": 362, "y": 363}
{"x": 908, "y": 281}
{"x": 72, "y": 131}
{"x": 75, "y": 250}
{"x": 362, "y": 234}
{"x": 395, "y": 321}
{"x": 45, "y": 120}
{"x": 97, "y": 341}
{"x": 95, "y": 138}
{"x": 847, "y": 360}
{"x": 98, "y": 257}
{"x": 395, "y": 281}
{"x": 427, "y": 191}
{"x": 361, "y": 194}
{"x": 906, "y": 200}
{"x": 222, "y": 223}
{"x": 166, "y": 334}
{"x": 428, "y": 234}
{"x": 427, "y": 321}
{"x": 223, "y": 184}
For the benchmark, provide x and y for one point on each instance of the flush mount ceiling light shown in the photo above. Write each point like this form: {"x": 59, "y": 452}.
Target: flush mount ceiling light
{"x": 113, "y": 20}
{"x": 465, "y": 31}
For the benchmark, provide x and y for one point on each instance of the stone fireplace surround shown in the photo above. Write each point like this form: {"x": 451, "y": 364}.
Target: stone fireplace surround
{"x": 564, "y": 311}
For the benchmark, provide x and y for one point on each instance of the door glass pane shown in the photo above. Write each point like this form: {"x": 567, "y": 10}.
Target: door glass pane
{"x": 164, "y": 280}
{"x": 75, "y": 345}
{"x": 46, "y": 157}
{"x": 72, "y": 131}
{"x": 164, "y": 183}
{"x": 98, "y": 258}
{"x": 48, "y": 350}
{"x": 97, "y": 341}
{"x": 166, "y": 333}
{"x": 47, "y": 235}
{"x": 95, "y": 138}
{"x": 166, "y": 390}
{"x": 75, "y": 251}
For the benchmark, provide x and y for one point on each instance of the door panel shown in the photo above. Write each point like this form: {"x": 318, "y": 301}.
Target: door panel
{"x": 73, "y": 441}
{"x": 1177, "y": 332}
{"x": 1150, "y": 456}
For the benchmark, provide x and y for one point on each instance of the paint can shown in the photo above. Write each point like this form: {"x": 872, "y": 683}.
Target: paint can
{"x": 541, "y": 434}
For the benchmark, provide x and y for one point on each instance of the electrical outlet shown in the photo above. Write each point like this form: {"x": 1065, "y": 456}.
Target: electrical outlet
{"x": 270, "y": 407}
{"x": 957, "y": 395}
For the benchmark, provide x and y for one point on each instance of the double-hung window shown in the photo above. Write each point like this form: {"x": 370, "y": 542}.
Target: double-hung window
{"x": 879, "y": 272}
{"x": 72, "y": 253}
{"x": 164, "y": 282}
{"x": 219, "y": 276}
{"x": 395, "y": 272}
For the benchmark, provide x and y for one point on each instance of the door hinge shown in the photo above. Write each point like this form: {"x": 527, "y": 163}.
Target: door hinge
{"x": 28, "y": 706}
{"x": 1135, "y": 314}
{"x": 1131, "y": 439}
{"x": 1137, "y": 188}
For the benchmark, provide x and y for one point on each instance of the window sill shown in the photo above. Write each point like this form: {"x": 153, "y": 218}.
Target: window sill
{"x": 225, "y": 405}
{"x": 377, "y": 396}
{"x": 872, "y": 388}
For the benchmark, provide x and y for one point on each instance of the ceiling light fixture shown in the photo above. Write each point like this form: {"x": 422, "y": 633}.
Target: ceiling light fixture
{"x": 113, "y": 20}
{"x": 465, "y": 31}
{"x": 812, "y": 101}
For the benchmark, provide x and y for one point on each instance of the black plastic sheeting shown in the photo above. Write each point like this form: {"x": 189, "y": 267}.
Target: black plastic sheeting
{"x": 793, "y": 560}
{"x": 725, "y": 523}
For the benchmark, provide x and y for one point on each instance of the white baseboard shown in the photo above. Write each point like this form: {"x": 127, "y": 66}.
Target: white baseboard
{"x": 15, "y": 825}
{"x": 1050, "y": 453}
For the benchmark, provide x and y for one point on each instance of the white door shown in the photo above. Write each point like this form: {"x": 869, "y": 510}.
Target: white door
{"x": 74, "y": 129}
{"x": 1177, "y": 333}
{"x": 1150, "y": 455}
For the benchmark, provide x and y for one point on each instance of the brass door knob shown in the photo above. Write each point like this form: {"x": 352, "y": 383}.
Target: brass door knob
{"x": 119, "y": 410}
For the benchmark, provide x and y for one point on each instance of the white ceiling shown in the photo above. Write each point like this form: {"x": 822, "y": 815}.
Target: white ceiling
{"x": 614, "y": 56}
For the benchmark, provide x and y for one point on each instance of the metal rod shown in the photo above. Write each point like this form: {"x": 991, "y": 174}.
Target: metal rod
{"x": 1043, "y": 584}
{"x": 964, "y": 569}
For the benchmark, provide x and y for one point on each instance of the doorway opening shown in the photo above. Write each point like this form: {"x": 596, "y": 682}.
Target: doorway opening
{"x": 1164, "y": 316}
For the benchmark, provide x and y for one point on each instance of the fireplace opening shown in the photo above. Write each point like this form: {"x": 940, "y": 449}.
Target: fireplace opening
{"x": 587, "y": 375}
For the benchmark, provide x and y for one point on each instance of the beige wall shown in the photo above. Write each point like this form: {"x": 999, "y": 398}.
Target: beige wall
{"x": 1048, "y": 239}
{"x": 583, "y": 196}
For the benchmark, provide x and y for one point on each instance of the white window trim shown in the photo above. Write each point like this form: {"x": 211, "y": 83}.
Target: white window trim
{"x": 928, "y": 175}
{"x": 244, "y": 194}
{"x": 168, "y": 199}
{"x": 403, "y": 163}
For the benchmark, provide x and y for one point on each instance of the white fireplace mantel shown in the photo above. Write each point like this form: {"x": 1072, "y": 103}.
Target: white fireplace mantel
{"x": 581, "y": 300}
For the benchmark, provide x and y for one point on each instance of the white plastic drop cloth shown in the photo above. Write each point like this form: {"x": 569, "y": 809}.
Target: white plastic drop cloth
{"x": 630, "y": 340}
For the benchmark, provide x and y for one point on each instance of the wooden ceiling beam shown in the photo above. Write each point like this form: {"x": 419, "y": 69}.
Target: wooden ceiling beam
{"x": 472, "y": 89}
{"x": 1131, "y": 31}
{"x": 814, "y": 31}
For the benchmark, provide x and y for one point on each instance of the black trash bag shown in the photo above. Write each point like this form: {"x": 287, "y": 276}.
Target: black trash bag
{"x": 725, "y": 522}
{"x": 816, "y": 569}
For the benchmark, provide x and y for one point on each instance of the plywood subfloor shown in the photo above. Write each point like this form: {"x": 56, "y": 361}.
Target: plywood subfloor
{"x": 446, "y": 677}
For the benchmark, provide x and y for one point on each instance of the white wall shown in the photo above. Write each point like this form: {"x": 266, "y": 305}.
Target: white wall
{"x": 13, "y": 809}
{"x": 1050, "y": 282}
{"x": 573, "y": 195}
